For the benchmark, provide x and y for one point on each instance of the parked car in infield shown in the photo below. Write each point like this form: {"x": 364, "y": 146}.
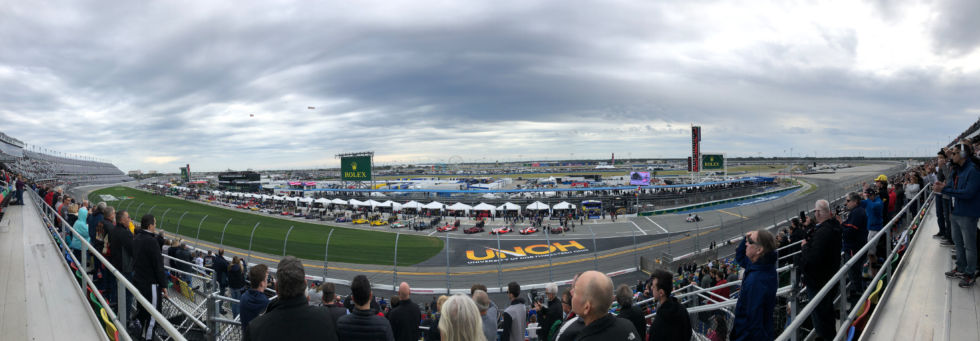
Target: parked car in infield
{"x": 360, "y": 221}
{"x": 502, "y": 230}
{"x": 447, "y": 228}
{"x": 474, "y": 229}
{"x": 559, "y": 229}
{"x": 342, "y": 220}
{"x": 528, "y": 230}
{"x": 379, "y": 222}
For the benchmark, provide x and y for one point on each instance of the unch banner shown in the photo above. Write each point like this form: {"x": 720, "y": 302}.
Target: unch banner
{"x": 712, "y": 161}
{"x": 355, "y": 168}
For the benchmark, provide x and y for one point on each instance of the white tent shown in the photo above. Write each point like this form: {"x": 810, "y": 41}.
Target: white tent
{"x": 277, "y": 198}
{"x": 412, "y": 204}
{"x": 485, "y": 207}
{"x": 240, "y": 194}
{"x": 323, "y": 201}
{"x": 387, "y": 203}
{"x": 338, "y": 202}
{"x": 377, "y": 194}
{"x": 460, "y": 207}
{"x": 509, "y": 207}
{"x": 371, "y": 202}
{"x": 266, "y": 197}
{"x": 489, "y": 196}
{"x": 355, "y": 203}
{"x": 537, "y": 206}
{"x": 306, "y": 200}
{"x": 396, "y": 207}
{"x": 563, "y": 206}
{"x": 435, "y": 205}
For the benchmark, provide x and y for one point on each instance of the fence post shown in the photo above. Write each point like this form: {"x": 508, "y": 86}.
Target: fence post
{"x": 447, "y": 264}
{"x": 326, "y": 250}
{"x": 249, "y": 258}
{"x": 127, "y": 205}
{"x": 136, "y": 214}
{"x": 222, "y": 241}
{"x": 211, "y": 322}
{"x": 394, "y": 271}
{"x": 286, "y": 240}
{"x": 198, "y": 236}
{"x": 164, "y": 217}
{"x": 636, "y": 259}
{"x": 151, "y": 209}
{"x": 178, "y": 222}
{"x": 793, "y": 296}
{"x": 697, "y": 236}
{"x": 121, "y": 305}
{"x": 547, "y": 238}
{"x": 595, "y": 251}
{"x": 496, "y": 253}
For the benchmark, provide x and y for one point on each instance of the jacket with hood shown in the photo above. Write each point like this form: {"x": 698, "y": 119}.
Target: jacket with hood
{"x": 963, "y": 187}
{"x": 875, "y": 212}
{"x": 82, "y": 228}
{"x": 251, "y": 305}
{"x": 757, "y": 299}
{"x": 93, "y": 222}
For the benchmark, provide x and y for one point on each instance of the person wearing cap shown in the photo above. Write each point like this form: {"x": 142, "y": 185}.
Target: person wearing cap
{"x": 963, "y": 186}
{"x": 881, "y": 185}
{"x": 874, "y": 209}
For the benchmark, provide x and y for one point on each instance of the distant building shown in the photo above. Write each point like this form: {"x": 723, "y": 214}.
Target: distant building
{"x": 151, "y": 172}
{"x": 246, "y": 181}
{"x": 135, "y": 173}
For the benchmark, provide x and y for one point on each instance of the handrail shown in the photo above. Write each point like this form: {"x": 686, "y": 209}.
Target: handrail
{"x": 801, "y": 316}
{"x": 198, "y": 276}
{"x": 206, "y": 269}
{"x": 157, "y": 316}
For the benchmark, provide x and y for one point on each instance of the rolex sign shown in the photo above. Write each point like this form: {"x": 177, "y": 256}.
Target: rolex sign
{"x": 355, "y": 168}
{"x": 712, "y": 162}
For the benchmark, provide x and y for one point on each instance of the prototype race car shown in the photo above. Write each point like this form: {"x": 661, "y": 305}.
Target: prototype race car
{"x": 447, "y": 228}
{"x": 474, "y": 229}
{"x": 692, "y": 218}
{"x": 379, "y": 222}
{"x": 398, "y": 225}
{"x": 342, "y": 220}
{"x": 528, "y": 230}
{"x": 559, "y": 229}
{"x": 502, "y": 230}
{"x": 360, "y": 221}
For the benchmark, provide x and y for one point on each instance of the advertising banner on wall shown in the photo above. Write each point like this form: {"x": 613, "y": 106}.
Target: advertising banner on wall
{"x": 640, "y": 178}
{"x": 713, "y": 161}
{"x": 355, "y": 168}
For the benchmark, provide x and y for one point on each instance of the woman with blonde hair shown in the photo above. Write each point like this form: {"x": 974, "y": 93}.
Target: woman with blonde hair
{"x": 460, "y": 320}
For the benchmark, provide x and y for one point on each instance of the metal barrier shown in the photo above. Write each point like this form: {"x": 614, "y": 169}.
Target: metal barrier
{"x": 119, "y": 317}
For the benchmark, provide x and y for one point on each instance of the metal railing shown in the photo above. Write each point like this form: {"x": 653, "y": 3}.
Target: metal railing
{"x": 119, "y": 317}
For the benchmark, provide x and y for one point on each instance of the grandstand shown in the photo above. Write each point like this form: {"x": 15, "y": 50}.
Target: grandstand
{"x": 34, "y": 236}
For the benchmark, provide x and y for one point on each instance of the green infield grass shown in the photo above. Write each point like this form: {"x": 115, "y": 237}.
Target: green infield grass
{"x": 306, "y": 240}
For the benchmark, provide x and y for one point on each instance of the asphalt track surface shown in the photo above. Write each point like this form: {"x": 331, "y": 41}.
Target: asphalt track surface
{"x": 613, "y": 249}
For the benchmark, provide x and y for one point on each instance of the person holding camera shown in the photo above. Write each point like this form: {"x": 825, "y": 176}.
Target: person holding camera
{"x": 819, "y": 261}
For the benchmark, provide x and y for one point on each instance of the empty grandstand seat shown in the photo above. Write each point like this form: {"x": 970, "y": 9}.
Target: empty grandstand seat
{"x": 850, "y": 333}
{"x": 876, "y": 295}
{"x": 110, "y": 328}
{"x": 862, "y": 318}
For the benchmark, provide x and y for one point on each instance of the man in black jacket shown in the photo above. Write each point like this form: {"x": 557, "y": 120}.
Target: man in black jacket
{"x": 148, "y": 276}
{"x": 361, "y": 323}
{"x": 290, "y": 317}
{"x": 548, "y": 314}
{"x": 329, "y": 298}
{"x": 629, "y": 311}
{"x": 592, "y": 299}
{"x": 121, "y": 250}
{"x": 820, "y": 260}
{"x": 405, "y": 318}
{"x": 672, "y": 321}
{"x": 854, "y": 234}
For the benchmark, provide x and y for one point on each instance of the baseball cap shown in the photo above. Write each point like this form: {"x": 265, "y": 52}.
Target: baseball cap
{"x": 881, "y": 177}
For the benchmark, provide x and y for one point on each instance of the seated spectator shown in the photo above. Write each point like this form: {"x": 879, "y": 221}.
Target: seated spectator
{"x": 253, "y": 302}
{"x": 757, "y": 298}
{"x": 362, "y": 323}
{"x": 592, "y": 299}
{"x": 288, "y": 317}
{"x": 330, "y": 302}
{"x": 405, "y": 318}
{"x": 460, "y": 320}
{"x": 672, "y": 321}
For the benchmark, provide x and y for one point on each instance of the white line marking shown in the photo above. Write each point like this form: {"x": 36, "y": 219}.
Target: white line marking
{"x": 433, "y": 232}
{"x": 638, "y": 227}
{"x": 658, "y": 225}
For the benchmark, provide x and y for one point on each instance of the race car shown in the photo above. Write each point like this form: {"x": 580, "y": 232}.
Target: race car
{"x": 692, "y": 218}
{"x": 474, "y": 229}
{"x": 447, "y": 228}
{"x": 559, "y": 229}
{"x": 502, "y": 230}
{"x": 378, "y": 222}
{"x": 528, "y": 230}
{"x": 360, "y": 221}
{"x": 240, "y": 206}
{"x": 286, "y": 213}
{"x": 254, "y": 208}
{"x": 342, "y": 220}
{"x": 398, "y": 225}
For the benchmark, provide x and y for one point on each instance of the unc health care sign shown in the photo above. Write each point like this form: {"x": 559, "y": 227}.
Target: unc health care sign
{"x": 355, "y": 168}
{"x": 712, "y": 161}
{"x": 526, "y": 251}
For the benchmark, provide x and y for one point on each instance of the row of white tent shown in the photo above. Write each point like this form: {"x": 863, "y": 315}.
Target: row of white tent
{"x": 435, "y": 205}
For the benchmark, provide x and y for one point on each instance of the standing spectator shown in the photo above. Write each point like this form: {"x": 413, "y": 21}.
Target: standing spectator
{"x": 720, "y": 280}
{"x": 515, "y": 315}
{"x": 236, "y": 281}
{"x": 944, "y": 201}
{"x": 672, "y": 321}
{"x": 329, "y": 298}
{"x": 20, "y": 190}
{"x": 361, "y": 323}
{"x": 483, "y": 305}
{"x": 757, "y": 298}
{"x": 854, "y": 234}
{"x": 433, "y": 333}
{"x": 552, "y": 312}
{"x": 253, "y": 302}
{"x": 121, "y": 250}
{"x": 875, "y": 211}
{"x": 220, "y": 265}
{"x": 881, "y": 189}
{"x": 289, "y": 317}
{"x": 405, "y": 318}
{"x": 628, "y": 311}
{"x": 820, "y": 260}
{"x": 460, "y": 320}
{"x": 148, "y": 277}
{"x": 492, "y": 313}
{"x": 592, "y": 299}
{"x": 966, "y": 211}
{"x": 81, "y": 227}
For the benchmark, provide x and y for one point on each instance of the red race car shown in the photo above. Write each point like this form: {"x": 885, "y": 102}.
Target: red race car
{"x": 502, "y": 230}
{"x": 447, "y": 228}
{"x": 559, "y": 229}
{"x": 529, "y": 230}
{"x": 474, "y": 229}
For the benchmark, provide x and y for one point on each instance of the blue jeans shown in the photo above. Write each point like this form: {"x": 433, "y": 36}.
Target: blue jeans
{"x": 236, "y": 294}
{"x": 965, "y": 238}
{"x": 942, "y": 216}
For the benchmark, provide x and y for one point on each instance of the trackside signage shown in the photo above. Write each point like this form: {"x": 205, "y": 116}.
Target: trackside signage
{"x": 525, "y": 252}
{"x": 712, "y": 161}
{"x": 355, "y": 168}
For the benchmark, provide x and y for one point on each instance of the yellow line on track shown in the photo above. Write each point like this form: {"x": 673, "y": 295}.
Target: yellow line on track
{"x": 737, "y": 215}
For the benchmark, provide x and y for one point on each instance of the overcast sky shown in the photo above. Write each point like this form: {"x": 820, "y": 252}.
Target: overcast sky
{"x": 157, "y": 84}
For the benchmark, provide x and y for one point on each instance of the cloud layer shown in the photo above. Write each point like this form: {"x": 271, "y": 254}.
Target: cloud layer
{"x": 228, "y": 84}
